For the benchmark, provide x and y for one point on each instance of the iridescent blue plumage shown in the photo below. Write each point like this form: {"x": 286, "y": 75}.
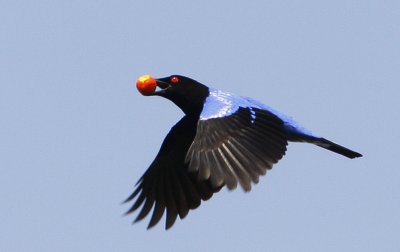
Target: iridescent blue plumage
{"x": 222, "y": 104}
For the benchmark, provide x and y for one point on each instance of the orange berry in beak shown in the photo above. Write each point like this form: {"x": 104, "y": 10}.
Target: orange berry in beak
{"x": 146, "y": 85}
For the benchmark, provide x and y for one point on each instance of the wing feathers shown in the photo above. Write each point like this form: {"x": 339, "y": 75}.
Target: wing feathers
{"x": 177, "y": 189}
{"x": 243, "y": 146}
{"x": 159, "y": 207}
{"x": 167, "y": 186}
{"x": 197, "y": 158}
{"x": 230, "y": 178}
{"x": 171, "y": 205}
{"x": 146, "y": 207}
{"x": 241, "y": 174}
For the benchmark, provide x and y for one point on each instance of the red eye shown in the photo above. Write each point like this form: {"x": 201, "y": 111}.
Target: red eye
{"x": 174, "y": 79}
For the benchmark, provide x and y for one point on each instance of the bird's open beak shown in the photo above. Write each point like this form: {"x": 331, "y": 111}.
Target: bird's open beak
{"x": 162, "y": 87}
{"x": 147, "y": 86}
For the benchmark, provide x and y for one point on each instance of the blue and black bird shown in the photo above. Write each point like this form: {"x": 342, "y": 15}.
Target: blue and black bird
{"x": 223, "y": 140}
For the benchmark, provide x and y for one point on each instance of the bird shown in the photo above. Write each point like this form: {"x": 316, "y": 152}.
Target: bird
{"x": 222, "y": 140}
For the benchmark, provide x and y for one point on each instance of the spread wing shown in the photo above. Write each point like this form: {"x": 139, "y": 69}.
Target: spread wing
{"x": 235, "y": 143}
{"x": 167, "y": 185}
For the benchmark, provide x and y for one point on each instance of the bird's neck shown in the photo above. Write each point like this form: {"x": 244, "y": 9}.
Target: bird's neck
{"x": 191, "y": 103}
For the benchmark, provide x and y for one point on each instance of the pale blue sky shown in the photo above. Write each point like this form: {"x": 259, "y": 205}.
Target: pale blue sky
{"x": 75, "y": 135}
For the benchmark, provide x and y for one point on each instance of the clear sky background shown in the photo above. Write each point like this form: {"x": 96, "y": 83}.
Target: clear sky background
{"x": 75, "y": 135}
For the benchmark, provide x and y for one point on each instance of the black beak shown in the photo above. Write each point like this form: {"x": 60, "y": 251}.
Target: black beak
{"x": 163, "y": 87}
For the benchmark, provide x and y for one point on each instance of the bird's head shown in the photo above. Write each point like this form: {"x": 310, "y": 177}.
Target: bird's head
{"x": 186, "y": 93}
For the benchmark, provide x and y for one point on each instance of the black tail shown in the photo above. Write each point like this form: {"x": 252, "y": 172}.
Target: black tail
{"x": 324, "y": 143}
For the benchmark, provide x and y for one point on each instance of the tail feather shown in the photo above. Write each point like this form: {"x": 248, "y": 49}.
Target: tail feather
{"x": 324, "y": 143}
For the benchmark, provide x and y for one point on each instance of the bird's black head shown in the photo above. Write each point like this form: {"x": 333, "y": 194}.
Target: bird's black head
{"x": 186, "y": 93}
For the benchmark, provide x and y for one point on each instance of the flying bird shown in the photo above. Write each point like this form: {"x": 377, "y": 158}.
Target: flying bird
{"x": 222, "y": 140}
